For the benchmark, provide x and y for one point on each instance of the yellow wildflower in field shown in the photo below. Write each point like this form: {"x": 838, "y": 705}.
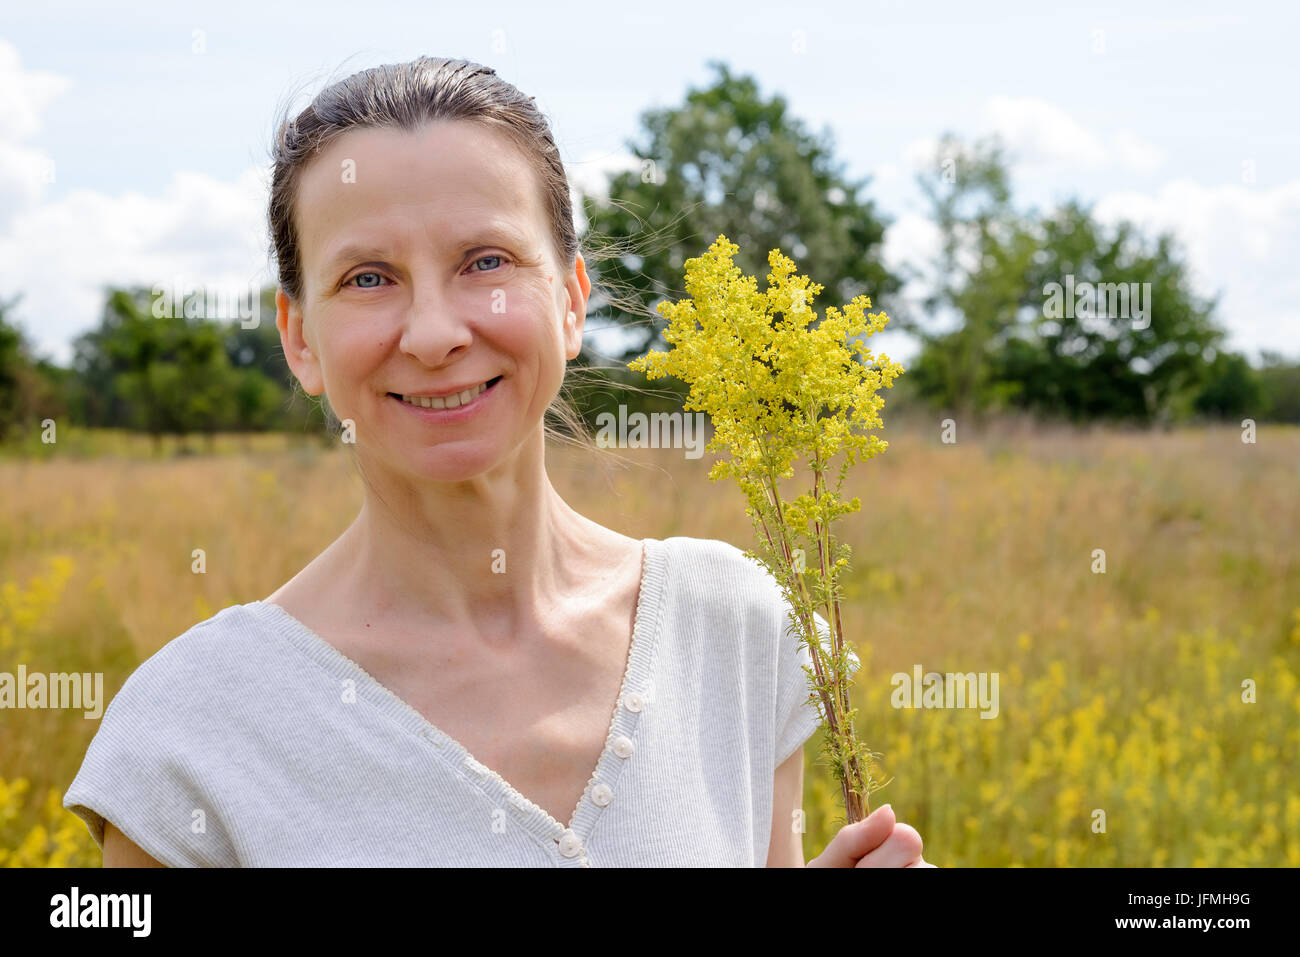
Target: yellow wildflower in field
{"x": 22, "y": 609}
{"x": 49, "y": 837}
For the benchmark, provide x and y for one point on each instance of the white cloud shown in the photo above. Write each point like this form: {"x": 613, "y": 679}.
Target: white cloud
{"x": 592, "y": 173}
{"x": 23, "y": 94}
{"x": 885, "y": 174}
{"x": 1132, "y": 153}
{"x": 911, "y": 242}
{"x": 590, "y": 176}
{"x": 918, "y": 154}
{"x": 1041, "y": 134}
{"x": 25, "y": 171}
{"x": 1240, "y": 241}
{"x": 61, "y": 255}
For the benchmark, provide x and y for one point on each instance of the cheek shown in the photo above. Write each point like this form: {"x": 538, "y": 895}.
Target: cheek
{"x": 353, "y": 347}
{"x": 530, "y": 327}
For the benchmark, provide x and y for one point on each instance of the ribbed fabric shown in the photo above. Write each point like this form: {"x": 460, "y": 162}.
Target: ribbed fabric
{"x": 233, "y": 746}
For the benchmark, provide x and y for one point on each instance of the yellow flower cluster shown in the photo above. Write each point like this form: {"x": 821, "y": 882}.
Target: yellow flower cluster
{"x": 21, "y": 609}
{"x": 774, "y": 388}
{"x": 46, "y": 835}
{"x": 779, "y": 389}
{"x": 36, "y": 832}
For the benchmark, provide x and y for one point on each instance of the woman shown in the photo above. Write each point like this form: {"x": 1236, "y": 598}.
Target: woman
{"x": 473, "y": 673}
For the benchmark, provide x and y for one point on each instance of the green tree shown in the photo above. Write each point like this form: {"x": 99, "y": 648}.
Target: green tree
{"x": 977, "y": 280}
{"x": 1055, "y": 313}
{"x": 1140, "y": 349}
{"x": 729, "y": 160}
{"x": 1232, "y": 389}
{"x": 29, "y": 386}
{"x": 1279, "y": 385}
{"x": 264, "y": 381}
{"x": 157, "y": 374}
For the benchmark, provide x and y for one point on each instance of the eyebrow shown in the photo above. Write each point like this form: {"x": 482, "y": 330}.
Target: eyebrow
{"x": 499, "y": 232}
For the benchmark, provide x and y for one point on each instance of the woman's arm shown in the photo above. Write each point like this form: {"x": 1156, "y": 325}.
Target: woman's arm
{"x": 119, "y": 851}
{"x": 785, "y": 848}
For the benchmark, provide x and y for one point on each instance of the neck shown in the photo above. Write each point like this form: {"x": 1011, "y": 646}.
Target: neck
{"x": 491, "y": 557}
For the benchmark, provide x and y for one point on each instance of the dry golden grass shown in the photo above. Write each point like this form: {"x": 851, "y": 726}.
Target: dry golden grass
{"x": 1120, "y": 692}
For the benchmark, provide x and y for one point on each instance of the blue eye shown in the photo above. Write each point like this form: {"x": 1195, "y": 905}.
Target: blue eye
{"x": 480, "y": 259}
{"x": 366, "y": 285}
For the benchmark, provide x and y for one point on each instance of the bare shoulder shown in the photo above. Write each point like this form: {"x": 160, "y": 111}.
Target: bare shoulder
{"x": 308, "y": 593}
{"x": 121, "y": 851}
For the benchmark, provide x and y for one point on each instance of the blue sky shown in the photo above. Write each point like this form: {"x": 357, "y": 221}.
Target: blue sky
{"x": 134, "y": 137}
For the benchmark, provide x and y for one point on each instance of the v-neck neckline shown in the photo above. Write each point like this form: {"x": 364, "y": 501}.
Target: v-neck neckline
{"x": 635, "y": 693}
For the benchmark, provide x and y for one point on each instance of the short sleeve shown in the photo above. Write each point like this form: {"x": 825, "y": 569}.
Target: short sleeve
{"x": 799, "y": 715}
{"x": 143, "y": 774}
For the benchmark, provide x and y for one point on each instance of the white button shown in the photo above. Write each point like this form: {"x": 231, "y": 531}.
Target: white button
{"x": 633, "y": 701}
{"x": 570, "y": 846}
{"x": 601, "y": 795}
{"x": 623, "y": 746}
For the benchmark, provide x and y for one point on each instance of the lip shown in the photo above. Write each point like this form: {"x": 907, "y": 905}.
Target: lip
{"x": 457, "y": 414}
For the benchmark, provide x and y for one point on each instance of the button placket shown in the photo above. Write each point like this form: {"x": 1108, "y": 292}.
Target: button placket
{"x": 600, "y": 792}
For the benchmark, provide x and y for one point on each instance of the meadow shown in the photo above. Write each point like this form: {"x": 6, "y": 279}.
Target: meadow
{"x": 1162, "y": 692}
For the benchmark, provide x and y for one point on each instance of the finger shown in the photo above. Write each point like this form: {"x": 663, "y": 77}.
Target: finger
{"x": 855, "y": 840}
{"x": 902, "y": 847}
{"x": 920, "y": 862}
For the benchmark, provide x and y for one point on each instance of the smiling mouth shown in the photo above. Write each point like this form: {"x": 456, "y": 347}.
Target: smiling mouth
{"x": 453, "y": 401}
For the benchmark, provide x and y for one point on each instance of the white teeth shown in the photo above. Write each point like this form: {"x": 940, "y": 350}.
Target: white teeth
{"x": 453, "y": 401}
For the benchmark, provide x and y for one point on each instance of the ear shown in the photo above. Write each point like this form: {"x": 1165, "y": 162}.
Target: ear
{"x": 297, "y": 350}
{"x": 577, "y": 288}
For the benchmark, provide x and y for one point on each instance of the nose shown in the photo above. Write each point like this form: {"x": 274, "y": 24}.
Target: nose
{"x": 435, "y": 329}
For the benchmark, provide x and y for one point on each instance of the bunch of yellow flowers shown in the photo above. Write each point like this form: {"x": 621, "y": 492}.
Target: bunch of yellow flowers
{"x": 780, "y": 389}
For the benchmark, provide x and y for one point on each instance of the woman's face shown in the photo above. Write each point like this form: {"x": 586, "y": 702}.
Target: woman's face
{"x": 427, "y": 267}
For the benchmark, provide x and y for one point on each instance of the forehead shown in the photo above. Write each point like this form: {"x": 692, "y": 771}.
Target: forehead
{"x": 441, "y": 182}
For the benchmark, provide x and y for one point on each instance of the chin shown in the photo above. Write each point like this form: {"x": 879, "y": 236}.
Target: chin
{"x": 454, "y": 461}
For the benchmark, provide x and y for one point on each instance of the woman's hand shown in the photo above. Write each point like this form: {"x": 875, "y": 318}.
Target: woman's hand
{"x": 878, "y": 840}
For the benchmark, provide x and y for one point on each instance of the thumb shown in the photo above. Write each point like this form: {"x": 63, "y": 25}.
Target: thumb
{"x": 855, "y": 841}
